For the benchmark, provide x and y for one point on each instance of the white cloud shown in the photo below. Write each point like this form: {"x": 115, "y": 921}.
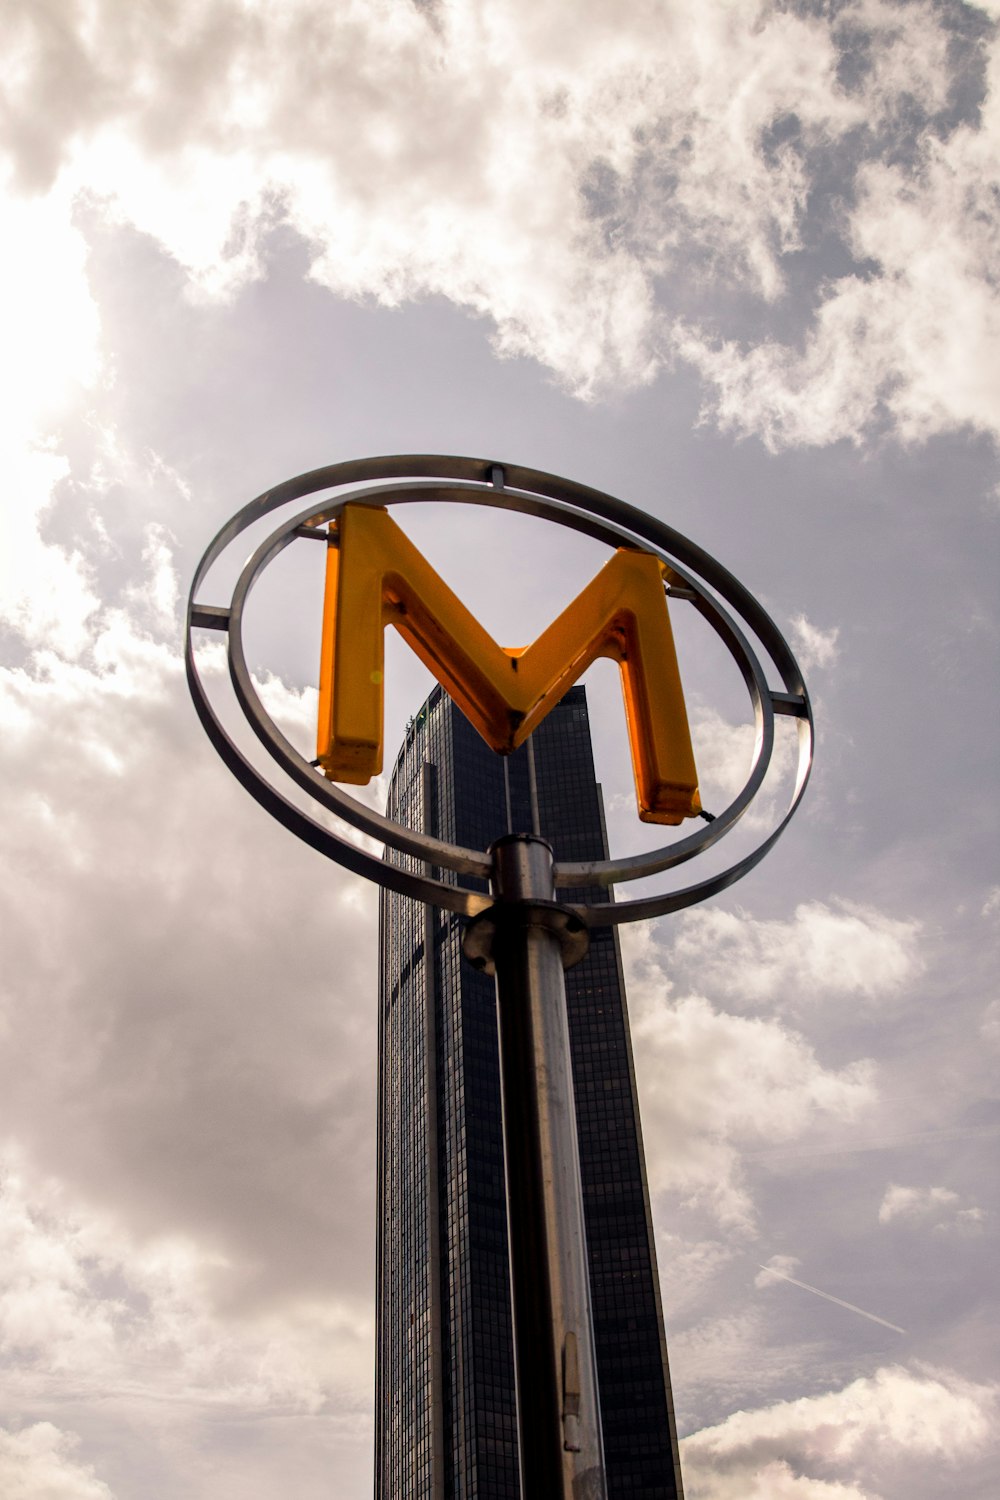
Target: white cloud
{"x": 52, "y": 357}
{"x": 158, "y": 594}
{"x": 510, "y": 122}
{"x": 913, "y": 338}
{"x": 914, "y": 1203}
{"x": 553, "y": 179}
{"x": 843, "y": 1444}
{"x": 36, "y": 1464}
{"x": 844, "y": 949}
{"x": 785, "y": 1265}
{"x": 724, "y": 755}
{"x": 711, "y": 1083}
{"x": 929, "y": 1207}
{"x": 46, "y": 591}
{"x": 815, "y": 647}
{"x": 50, "y": 321}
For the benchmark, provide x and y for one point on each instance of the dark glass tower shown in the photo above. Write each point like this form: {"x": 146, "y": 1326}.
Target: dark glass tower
{"x": 445, "y": 1412}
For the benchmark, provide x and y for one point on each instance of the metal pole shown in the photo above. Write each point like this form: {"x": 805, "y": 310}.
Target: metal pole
{"x": 527, "y": 939}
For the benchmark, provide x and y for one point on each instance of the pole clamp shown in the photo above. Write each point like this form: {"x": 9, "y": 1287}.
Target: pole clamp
{"x": 565, "y": 924}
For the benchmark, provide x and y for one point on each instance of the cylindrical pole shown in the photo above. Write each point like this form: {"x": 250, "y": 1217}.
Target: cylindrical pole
{"x": 559, "y": 1425}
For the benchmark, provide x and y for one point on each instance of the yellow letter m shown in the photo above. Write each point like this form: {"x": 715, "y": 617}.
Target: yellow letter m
{"x": 376, "y": 577}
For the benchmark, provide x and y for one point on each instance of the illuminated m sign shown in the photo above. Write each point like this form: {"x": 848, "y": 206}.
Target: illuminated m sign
{"x": 376, "y": 577}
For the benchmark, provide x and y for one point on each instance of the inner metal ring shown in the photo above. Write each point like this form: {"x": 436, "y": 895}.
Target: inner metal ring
{"x": 599, "y": 516}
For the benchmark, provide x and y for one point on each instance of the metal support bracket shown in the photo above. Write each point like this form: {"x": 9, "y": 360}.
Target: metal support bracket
{"x": 566, "y": 925}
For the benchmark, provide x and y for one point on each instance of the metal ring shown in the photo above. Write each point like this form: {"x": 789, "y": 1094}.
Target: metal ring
{"x": 548, "y": 497}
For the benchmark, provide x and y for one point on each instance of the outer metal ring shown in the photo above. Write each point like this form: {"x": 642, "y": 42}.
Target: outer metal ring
{"x": 464, "y": 480}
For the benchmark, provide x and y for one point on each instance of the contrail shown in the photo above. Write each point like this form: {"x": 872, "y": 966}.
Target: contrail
{"x": 839, "y": 1301}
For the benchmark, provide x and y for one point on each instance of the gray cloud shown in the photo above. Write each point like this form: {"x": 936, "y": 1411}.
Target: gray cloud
{"x": 765, "y": 1081}
{"x": 590, "y": 191}
{"x": 170, "y": 1039}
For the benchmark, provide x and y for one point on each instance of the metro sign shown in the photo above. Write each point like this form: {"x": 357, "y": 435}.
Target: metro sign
{"x": 376, "y": 577}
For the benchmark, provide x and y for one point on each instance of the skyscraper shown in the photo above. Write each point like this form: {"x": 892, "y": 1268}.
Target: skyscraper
{"x": 446, "y": 1424}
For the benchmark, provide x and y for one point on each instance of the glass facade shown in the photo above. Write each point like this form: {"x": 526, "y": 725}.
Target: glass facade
{"x": 446, "y": 1424}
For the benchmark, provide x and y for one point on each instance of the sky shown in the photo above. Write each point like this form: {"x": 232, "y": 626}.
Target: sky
{"x": 735, "y": 263}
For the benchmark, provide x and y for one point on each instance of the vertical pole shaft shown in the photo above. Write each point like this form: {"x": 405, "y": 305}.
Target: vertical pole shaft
{"x": 433, "y": 1223}
{"x": 558, "y": 1413}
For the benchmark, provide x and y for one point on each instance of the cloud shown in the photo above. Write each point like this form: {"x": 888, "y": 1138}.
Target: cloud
{"x": 46, "y": 591}
{"x": 36, "y": 1464}
{"x": 824, "y": 950}
{"x": 51, "y": 322}
{"x": 84, "y": 1306}
{"x": 990, "y": 1025}
{"x": 930, "y": 1207}
{"x": 52, "y": 358}
{"x": 186, "y": 1214}
{"x": 114, "y": 1333}
{"x": 770, "y": 1481}
{"x": 914, "y": 1203}
{"x": 711, "y": 1083}
{"x": 785, "y": 1265}
{"x": 842, "y": 1445}
{"x": 910, "y": 337}
{"x": 815, "y": 647}
{"x": 184, "y": 1044}
{"x": 583, "y": 192}
{"x": 178, "y": 998}
{"x": 694, "y": 1268}
{"x": 730, "y": 1356}
{"x": 724, "y": 754}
